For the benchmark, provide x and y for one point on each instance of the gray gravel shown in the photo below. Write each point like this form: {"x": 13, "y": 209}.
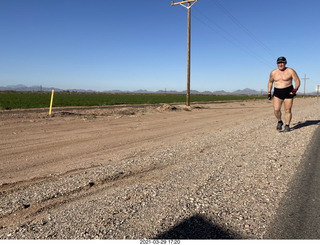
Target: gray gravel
{"x": 226, "y": 184}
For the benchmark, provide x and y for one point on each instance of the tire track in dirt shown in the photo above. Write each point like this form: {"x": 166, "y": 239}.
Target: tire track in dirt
{"x": 29, "y": 212}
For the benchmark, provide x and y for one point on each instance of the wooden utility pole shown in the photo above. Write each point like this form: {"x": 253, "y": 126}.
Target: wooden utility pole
{"x": 190, "y": 4}
{"x": 305, "y": 78}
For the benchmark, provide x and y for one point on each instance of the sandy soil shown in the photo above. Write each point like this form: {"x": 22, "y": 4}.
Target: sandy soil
{"x": 114, "y": 150}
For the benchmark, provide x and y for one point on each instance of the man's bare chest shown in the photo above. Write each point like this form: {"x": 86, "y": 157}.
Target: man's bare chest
{"x": 282, "y": 76}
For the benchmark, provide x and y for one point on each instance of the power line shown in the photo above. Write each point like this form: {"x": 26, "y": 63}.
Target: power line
{"x": 229, "y": 37}
{"x": 237, "y": 22}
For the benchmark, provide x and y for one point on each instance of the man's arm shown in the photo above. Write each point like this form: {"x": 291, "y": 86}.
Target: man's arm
{"x": 296, "y": 79}
{"x": 270, "y": 83}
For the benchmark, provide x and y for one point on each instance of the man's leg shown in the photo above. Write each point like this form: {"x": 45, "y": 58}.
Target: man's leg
{"x": 287, "y": 106}
{"x": 277, "y": 103}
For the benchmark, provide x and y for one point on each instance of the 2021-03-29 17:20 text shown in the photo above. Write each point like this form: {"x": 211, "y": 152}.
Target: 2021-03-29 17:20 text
{"x": 160, "y": 241}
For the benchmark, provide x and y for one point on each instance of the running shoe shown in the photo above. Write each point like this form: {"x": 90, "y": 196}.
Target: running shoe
{"x": 286, "y": 128}
{"x": 279, "y": 125}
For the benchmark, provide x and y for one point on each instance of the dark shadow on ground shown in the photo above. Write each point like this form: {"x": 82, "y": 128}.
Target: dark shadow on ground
{"x": 305, "y": 124}
{"x": 298, "y": 214}
{"x": 197, "y": 227}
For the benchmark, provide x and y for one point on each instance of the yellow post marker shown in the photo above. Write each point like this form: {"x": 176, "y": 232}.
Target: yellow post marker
{"x": 51, "y": 102}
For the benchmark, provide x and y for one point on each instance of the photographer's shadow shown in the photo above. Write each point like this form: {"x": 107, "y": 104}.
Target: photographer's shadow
{"x": 198, "y": 227}
{"x": 305, "y": 124}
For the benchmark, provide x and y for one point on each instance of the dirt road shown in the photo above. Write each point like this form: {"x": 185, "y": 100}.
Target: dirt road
{"x": 124, "y": 160}
{"x": 34, "y": 145}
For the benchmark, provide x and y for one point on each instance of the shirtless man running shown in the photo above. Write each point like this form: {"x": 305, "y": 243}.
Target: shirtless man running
{"x": 283, "y": 91}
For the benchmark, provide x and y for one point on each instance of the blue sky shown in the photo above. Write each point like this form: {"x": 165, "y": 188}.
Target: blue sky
{"x": 130, "y": 45}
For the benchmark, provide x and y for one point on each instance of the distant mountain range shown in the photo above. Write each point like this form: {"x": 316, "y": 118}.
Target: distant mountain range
{"x": 21, "y": 87}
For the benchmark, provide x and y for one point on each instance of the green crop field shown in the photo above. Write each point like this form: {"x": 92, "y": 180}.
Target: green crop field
{"x": 23, "y": 100}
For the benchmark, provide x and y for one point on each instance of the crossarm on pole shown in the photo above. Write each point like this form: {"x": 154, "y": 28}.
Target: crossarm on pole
{"x": 182, "y": 2}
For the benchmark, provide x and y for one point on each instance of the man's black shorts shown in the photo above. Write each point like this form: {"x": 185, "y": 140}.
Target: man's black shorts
{"x": 283, "y": 93}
